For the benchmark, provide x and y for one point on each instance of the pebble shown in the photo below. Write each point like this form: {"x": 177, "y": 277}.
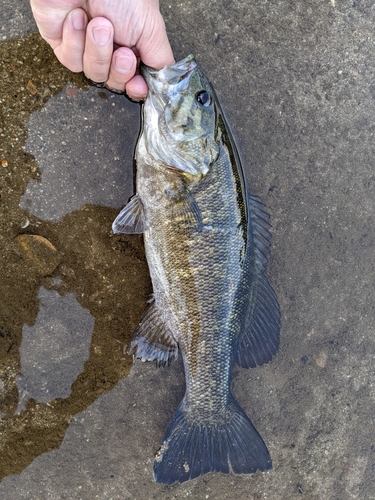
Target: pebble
{"x": 39, "y": 252}
{"x": 321, "y": 359}
{"x": 31, "y": 87}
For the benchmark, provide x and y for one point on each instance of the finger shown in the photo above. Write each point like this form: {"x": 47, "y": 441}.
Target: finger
{"x": 70, "y": 51}
{"x": 136, "y": 88}
{"x": 154, "y": 47}
{"x": 123, "y": 68}
{"x": 98, "y": 49}
{"x": 50, "y": 15}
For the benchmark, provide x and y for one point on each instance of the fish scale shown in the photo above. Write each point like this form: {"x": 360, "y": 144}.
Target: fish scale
{"x": 192, "y": 276}
{"x": 206, "y": 242}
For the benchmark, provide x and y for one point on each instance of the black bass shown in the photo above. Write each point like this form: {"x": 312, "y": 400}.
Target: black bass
{"x": 206, "y": 242}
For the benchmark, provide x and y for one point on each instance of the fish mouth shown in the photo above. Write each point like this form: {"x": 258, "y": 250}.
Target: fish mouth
{"x": 169, "y": 75}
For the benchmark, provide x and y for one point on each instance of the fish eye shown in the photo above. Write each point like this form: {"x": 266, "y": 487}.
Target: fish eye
{"x": 203, "y": 97}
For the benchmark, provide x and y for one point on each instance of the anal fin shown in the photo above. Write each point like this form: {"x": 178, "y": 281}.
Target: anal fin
{"x": 151, "y": 338}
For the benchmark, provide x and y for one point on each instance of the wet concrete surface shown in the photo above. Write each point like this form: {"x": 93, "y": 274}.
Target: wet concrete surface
{"x": 297, "y": 83}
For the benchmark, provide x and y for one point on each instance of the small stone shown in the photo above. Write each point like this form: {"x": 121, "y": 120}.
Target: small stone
{"x": 71, "y": 92}
{"x": 321, "y": 359}
{"x": 39, "y": 252}
{"x": 31, "y": 87}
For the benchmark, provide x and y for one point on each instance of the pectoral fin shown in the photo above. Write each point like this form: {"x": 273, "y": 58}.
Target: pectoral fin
{"x": 131, "y": 219}
{"x": 186, "y": 213}
{"x": 151, "y": 338}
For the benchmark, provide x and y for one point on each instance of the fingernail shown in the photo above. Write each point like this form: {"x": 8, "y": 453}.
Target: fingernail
{"x": 124, "y": 64}
{"x": 101, "y": 35}
{"x": 79, "y": 20}
{"x": 138, "y": 97}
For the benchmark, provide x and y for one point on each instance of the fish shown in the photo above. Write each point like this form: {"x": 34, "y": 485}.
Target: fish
{"x": 207, "y": 242}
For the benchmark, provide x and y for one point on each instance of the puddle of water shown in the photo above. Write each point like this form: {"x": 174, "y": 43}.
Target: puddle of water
{"x": 298, "y": 86}
{"x": 81, "y": 160}
{"x": 63, "y": 281}
{"x": 54, "y": 349}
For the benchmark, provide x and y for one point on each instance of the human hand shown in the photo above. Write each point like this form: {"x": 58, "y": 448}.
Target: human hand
{"x": 106, "y": 39}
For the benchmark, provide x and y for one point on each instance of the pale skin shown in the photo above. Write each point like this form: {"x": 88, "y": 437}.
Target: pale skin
{"x": 106, "y": 39}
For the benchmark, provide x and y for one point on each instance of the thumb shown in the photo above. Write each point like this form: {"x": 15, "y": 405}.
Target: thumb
{"x": 153, "y": 46}
{"x": 50, "y": 15}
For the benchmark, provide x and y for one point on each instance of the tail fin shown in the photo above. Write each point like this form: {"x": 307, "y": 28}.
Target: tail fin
{"x": 192, "y": 448}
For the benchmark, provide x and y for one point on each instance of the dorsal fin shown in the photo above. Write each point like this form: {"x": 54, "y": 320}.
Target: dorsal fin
{"x": 259, "y": 220}
{"x": 258, "y": 339}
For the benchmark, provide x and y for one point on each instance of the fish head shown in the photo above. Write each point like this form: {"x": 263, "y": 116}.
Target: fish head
{"x": 179, "y": 118}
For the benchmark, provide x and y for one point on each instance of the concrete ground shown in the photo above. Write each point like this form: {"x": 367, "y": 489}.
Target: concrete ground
{"x": 297, "y": 82}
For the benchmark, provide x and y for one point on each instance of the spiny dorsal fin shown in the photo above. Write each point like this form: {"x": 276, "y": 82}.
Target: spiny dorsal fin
{"x": 131, "y": 219}
{"x": 151, "y": 338}
{"x": 259, "y": 220}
